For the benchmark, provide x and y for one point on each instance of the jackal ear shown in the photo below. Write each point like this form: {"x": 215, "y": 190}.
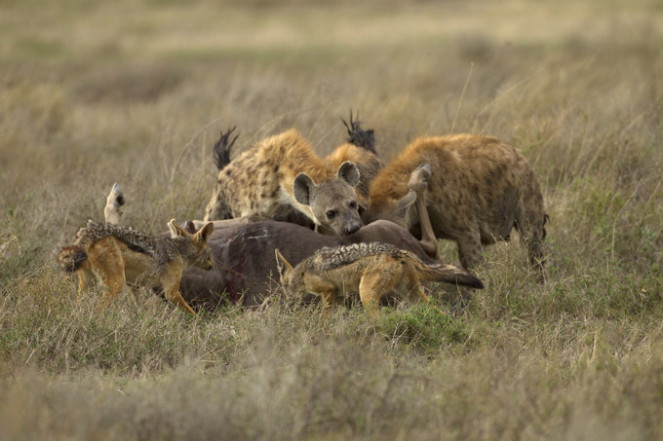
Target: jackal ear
{"x": 189, "y": 227}
{"x": 348, "y": 172}
{"x": 204, "y": 233}
{"x": 405, "y": 202}
{"x": 303, "y": 188}
{"x": 282, "y": 264}
{"x": 176, "y": 230}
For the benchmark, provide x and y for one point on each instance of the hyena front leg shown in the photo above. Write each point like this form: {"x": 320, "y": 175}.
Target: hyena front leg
{"x": 170, "y": 282}
{"x": 469, "y": 254}
{"x": 469, "y": 248}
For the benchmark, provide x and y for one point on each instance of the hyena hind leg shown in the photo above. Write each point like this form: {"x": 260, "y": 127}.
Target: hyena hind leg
{"x": 531, "y": 237}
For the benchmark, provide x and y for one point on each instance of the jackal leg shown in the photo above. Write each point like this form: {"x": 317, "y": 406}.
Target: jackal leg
{"x": 170, "y": 282}
{"x": 417, "y": 294}
{"x": 328, "y": 293}
{"x": 419, "y": 184}
{"x": 106, "y": 258}
{"x": 374, "y": 284}
{"x": 86, "y": 277}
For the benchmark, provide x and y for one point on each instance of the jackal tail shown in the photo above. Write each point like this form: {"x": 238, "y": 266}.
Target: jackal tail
{"x": 71, "y": 258}
{"x": 442, "y": 272}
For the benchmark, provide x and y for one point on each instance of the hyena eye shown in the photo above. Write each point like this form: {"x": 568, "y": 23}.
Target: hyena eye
{"x": 330, "y": 214}
{"x": 353, "y": 205}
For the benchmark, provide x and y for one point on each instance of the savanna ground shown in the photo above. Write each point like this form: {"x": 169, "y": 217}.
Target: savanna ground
{"x": 97, "y": 92}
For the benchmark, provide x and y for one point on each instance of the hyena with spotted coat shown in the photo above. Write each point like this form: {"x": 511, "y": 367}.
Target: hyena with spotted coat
{"x": 282, "y": 174}
{"x": 480, "y": 189}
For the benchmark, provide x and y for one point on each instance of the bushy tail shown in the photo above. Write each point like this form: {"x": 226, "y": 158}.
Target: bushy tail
{"x": 223, "y": 147}
{"x": 71, "y": 258}
{"x": 442, "y": 272}
{"x": 358, "y": 136}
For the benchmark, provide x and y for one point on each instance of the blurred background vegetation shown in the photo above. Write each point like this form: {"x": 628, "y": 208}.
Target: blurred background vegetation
{"x": 93, "y": 93}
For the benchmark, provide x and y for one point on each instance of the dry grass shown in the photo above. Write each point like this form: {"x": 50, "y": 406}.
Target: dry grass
{"x": 93, "y": 93}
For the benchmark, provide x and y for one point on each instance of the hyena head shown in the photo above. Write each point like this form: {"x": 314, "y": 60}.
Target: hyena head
{"x": 333, "y": 203}
{"x": 193, "y": 247}
{"x": 291, "y": 278}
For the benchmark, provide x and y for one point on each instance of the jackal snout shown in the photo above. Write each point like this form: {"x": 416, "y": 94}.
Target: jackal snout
{"x": 205, "y": 261}
{"x": 194, "y": 243}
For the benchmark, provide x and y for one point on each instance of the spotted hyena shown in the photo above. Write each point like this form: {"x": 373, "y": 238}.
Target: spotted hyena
{"x": 480, "y": 189}
{"x": 281, "y": 177}
{"x": 359, "y": 148}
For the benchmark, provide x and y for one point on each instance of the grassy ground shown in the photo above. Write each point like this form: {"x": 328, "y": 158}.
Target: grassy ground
{"x": 92, "y": 93}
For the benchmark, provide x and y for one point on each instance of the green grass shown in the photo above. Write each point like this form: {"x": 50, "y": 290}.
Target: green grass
{"x": 92, "y": 93}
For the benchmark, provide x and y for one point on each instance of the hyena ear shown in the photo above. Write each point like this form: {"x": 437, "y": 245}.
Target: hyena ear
{"x": 176, "y": 230}
{"x": 348, "y": 172}
{"x": 282, "y": 264}
{"x": 303, "y": 187}
{"x": 204, "y": 233}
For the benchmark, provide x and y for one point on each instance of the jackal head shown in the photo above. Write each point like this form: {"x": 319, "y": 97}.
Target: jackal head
{"x": 333, "y": 203}
{"x": 291, "y": 278}
{"x": 193, "y": 247}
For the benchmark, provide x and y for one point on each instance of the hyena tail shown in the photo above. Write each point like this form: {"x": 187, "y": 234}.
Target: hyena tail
{"x": 358, "y": 136}
{"x": 442, "y": 272}
{"x": 71, "y": 258}
{"x": 223, "y": 147}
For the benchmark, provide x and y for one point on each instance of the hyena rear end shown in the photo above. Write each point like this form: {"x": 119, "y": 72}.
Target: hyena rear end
{"x": 282, "y": 173}
{"x": 119, "y": 255}
{"x": 373, "y": 269}
{"x": 480, "y": 189}
{"x": 359, "y": 148}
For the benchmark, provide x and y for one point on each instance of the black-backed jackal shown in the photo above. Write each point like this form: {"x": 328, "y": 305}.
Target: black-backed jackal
{"x": 372, "y": 269}
{"x": 119, "y": 255}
